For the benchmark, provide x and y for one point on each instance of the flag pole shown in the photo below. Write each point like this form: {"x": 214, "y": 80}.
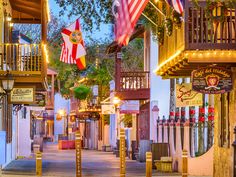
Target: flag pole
{"x": 149, "y": 19}
{"x": 157, "y": 9}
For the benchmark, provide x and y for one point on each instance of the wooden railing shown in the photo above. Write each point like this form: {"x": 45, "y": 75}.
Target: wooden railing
{"x": 205, "y": 32}
{"x": 22, "y": 58}
{"x": 134, "y": 80}
{"x": 200, "y": 31}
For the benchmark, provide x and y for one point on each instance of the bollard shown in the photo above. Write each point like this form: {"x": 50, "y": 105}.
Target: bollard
{"x": 185, "y": 163}
{"x": 122, "y": 153}
{"x": 78, "y": 154}
{"x": 38, "y": 164}
{"x": 148, "y": 164}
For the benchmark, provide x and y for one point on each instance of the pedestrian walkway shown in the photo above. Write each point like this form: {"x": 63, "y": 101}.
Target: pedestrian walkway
{"x": 61, "y": 163}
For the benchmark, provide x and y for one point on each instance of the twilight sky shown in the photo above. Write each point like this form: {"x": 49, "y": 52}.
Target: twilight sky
{"x": 104, "y": 31}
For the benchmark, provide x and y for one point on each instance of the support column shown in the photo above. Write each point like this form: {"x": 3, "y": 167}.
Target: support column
{"x": 165, "y": 133}
{"x": 160, "y": 132}
{"x": 178, "y": 151}
{"x": 186, "y": 136}
{"x": 171, "y": 139}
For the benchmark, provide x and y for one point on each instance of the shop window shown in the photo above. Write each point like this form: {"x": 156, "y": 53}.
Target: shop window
{"x": 224, "y": 121}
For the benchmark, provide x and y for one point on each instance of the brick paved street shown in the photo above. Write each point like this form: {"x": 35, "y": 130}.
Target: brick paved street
{"x": 62, "y": 164}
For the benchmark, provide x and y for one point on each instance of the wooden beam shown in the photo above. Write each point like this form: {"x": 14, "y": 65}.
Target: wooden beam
{"x": 34, "y": 4}
{"x": 27, "y": 10}
{"x": 26, "y": 20}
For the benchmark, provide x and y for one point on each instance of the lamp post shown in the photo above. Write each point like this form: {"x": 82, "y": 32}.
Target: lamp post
{"x": 116, "y": 102}
{"x": 7, "y": 86}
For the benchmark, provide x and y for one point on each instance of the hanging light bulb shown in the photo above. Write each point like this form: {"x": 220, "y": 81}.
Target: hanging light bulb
{"x": 9, "y": 18}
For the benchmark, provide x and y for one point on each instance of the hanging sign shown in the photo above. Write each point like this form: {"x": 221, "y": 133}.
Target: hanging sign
{"x": 23, "y": 95}
{"x": 108, "y": 109}
{"x": 130, "y": 107}
{"x": 212, "y": 80}
{"x": 185, "y": 96}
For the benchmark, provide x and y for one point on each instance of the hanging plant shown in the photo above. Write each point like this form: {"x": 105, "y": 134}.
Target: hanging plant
{"x": 216, "y": 11}
{"x": 160, "y": 34}
{"x": 169, "y": 26}
{"x": 177, "y": 21}
{"x": 81, "y": 92}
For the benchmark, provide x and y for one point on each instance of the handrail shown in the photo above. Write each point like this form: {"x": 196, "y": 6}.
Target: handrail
{"x": 21, "y": 57}
{"x": 134, "y": 80}
{"x": 203, "y": 32}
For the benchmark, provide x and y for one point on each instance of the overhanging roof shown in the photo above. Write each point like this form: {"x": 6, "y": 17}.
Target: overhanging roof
{"x": 28, "y": 11}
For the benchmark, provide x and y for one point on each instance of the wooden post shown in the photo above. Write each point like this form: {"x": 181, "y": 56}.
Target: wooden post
{"x": 38, "y": 164}
{"x": 78, "y": 154}
{"x": 122, "y": 153}
{"x": 185, "y": 163}
{"x": 234, "y": 145}
{"x": 148, "y": 164}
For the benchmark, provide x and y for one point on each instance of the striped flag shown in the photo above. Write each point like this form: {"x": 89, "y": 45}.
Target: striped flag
{"x": 65, "y": 55}
{"x": 73, "y": 50}
{"x": 178, "y": 5}
{"x": 128, "y": 13}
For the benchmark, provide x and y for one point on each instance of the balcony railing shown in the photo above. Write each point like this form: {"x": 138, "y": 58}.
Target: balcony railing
{"x": 200, "y": 31}
{"x": 134, "y": 80}
{"x": 204, "y": 31}
{"x": 21, "y": 58}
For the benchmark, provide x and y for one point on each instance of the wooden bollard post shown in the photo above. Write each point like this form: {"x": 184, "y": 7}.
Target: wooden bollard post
{"x": 78, "y": 154}
{"x": 122, "y": 153}
{"x": 38, "y": 164}
{"x": 148, "y": 164}
{"x": 185, "y": 163}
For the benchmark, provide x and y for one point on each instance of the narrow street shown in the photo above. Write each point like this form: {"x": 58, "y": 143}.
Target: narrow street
{"x": 62, "y": 164}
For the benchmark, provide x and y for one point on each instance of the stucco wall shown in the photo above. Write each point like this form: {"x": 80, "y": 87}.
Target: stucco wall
{"x": 202, "y": 165}
{"x": 223, "y": 156}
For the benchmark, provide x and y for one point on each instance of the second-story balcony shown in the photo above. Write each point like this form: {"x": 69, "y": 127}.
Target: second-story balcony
{"x": 25, "y": 62}
{"x": 133, "y": 85}
{"x": 205, "y": 37}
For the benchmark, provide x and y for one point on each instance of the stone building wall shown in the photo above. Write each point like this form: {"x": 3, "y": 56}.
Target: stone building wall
{"x": 223, "y": 156}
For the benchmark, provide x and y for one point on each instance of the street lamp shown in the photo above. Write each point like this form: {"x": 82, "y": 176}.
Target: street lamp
{"x": 116, "y": 101}
{"x": 8, "y": 83}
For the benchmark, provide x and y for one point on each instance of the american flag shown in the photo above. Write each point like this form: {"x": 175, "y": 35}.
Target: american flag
{"x": 65, "y": 56}
{"x": 177, "y": 5}
{"x": 128, "y": 14}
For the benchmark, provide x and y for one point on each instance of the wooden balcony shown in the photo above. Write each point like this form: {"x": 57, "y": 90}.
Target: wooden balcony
{"x": 25, "y": 62}
{"x": 200, "y": 41}
{"x": 130, "y": 85}
{"x": 133, "y": 85}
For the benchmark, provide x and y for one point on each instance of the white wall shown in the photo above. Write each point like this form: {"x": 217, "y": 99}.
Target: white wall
{"x": 159, "y": 92}
{"x": 60, "y": 103}
{"x": 202, "y": 165}
{"x": 160, "y": 89}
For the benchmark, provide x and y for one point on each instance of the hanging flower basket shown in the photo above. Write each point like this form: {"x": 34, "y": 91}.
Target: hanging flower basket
{"x": 177, "y": 19}
{"x": 169, "y": 26}
{"x": 81, "y": 92}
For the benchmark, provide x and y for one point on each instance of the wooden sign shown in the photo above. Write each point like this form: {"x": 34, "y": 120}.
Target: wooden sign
{"x": 185, "y": 96}
{"x": 22, "y": 95}
{"x": 108, "y": 109}
{"x": 212, "y": 80}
